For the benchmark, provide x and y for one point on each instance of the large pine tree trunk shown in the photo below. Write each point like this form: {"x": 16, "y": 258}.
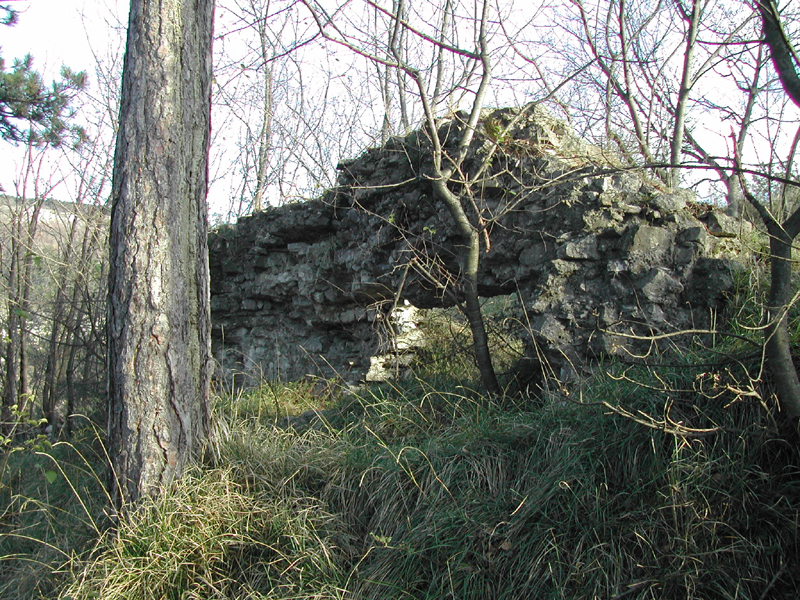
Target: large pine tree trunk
{"x": 158, "y": 315}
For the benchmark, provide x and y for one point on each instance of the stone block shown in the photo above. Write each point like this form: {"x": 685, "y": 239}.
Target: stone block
{"x": 582, "y": 249}
{"x": 660, "y": 286}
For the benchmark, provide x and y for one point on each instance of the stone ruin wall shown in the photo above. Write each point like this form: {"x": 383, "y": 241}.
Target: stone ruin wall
{"x": 594, "y": 255}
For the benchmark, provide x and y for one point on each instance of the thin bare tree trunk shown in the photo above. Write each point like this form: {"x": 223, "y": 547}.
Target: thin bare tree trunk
{"x": 54, "y": 370}
{"x": 470, "y": 232}
{"x": 70, "y": 376}
{"x": 11, "y": 388}
{"x": 265, "y": 137}
{"x": 783, "y": 55}
{"x": 469, "y": 285}
{"x": 399, "y": 49}
{"x": 16, "y": 392}
{"x": 437, "y": 88}
{"x": 781, "y": 234}
{"x": 687, "y": 81}
{"x": 776, "y": 333}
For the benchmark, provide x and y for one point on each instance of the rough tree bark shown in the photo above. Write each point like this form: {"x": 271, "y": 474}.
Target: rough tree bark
{"x": 158, "y": 316}
{"x": 781, "y": 233}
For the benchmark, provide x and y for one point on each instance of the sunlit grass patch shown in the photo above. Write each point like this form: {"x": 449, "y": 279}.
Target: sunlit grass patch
{"x": 210, "y": 537}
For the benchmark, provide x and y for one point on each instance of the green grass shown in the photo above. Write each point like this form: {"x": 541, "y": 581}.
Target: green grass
{"x": 212, "y": 537}
{"x": 276, "y": 400}
{"x": 52, "y": 508}
{"x": 426, "y": 489}
{"x": 563, "y": 503}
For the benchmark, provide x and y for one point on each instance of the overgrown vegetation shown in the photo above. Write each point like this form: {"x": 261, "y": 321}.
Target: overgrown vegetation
{"x": 425, "y": 488}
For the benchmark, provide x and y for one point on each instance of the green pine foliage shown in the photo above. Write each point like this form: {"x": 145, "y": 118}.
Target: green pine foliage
{"x": 31, "y": 111}
{"x": 8, "y": 16}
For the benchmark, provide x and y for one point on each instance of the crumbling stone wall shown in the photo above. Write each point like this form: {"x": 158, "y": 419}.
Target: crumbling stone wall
{"x": 595, "y": 253}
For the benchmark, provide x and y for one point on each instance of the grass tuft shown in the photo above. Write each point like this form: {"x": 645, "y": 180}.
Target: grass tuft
{"x": 212, "y": 538}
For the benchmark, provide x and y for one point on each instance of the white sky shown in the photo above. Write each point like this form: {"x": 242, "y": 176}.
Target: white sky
{"x": 65, "y": 32}
{"x": 55, "y": 33}
{"x": 69, "y": 32}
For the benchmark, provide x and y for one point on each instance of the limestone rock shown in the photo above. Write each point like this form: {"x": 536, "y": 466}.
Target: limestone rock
{"x": 308, "y": 288}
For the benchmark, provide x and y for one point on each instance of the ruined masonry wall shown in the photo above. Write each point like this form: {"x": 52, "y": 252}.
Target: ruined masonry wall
{"x": 594, "y": 255}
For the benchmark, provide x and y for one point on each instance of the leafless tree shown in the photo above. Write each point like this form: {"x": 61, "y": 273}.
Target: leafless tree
{"x": 450, "y": 184}
{"x": 53, "y": 236}
{"x": 782, "y": 230}
{"x": 662, "y": 76}
{"x": 723, "y": 78}
{"x": 286, "y": 109}
{"x": 23, "y": 212}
